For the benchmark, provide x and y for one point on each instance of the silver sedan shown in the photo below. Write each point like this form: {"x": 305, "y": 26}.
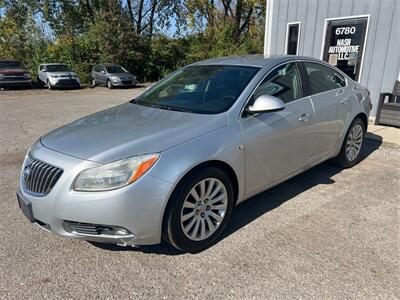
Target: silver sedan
{"x": 173, "y": 163}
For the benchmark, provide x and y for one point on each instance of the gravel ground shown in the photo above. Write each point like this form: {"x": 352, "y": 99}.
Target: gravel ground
{"x": 325, "y": 234}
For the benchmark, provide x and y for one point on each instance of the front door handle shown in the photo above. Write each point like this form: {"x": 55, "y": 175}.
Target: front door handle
{"x": 339, "y": 92}
{"x": 303, "y": 118}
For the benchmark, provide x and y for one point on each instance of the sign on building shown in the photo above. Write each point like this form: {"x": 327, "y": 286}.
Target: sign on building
{"x": 344, "y": 44}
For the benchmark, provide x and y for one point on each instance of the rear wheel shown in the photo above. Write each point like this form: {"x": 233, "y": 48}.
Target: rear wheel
{"x": 352, "y": 145}
{"x": 199, "y": 210}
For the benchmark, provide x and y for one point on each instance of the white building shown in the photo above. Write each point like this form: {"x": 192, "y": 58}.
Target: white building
{"x": 360, "y": 37}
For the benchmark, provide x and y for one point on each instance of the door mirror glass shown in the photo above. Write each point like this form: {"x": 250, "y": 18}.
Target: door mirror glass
{"x": 266, "y": 103}
{"x": 103, "y": 72}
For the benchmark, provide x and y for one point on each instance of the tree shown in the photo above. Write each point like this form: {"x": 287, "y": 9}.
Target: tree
{"x": 149, "y": 37}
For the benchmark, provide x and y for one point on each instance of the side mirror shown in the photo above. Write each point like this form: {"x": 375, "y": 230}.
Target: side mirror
{"x": 103, "y": 72}
{"x": 266, "y": 103}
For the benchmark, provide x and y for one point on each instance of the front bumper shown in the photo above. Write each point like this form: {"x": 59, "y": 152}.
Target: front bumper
{"x": 123, "y": 82}
{"x": 65, "y": 82}
{"x": 16, "y": 83}
{"x": 137, "y": 208}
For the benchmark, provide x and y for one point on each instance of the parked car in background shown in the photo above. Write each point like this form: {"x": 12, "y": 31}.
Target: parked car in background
{"x": 174, "y": 162}
{"x": 57, "y": 75}
{"x": 12, "y": 74}
{"x": 112, "y": 75}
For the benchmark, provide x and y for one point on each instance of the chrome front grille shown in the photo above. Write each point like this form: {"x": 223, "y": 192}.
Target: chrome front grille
{"x": 39, "y": 177}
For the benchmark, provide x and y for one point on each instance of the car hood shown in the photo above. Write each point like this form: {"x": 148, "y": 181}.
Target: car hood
{"x": 127, "y": 130}
{"x": 62, "y": 73}
{"x": 17, "y": 71}
{"x": 122, "y": 75}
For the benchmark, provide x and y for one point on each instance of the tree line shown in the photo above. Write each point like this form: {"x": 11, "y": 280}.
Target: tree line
{"x": 149, "y": 37}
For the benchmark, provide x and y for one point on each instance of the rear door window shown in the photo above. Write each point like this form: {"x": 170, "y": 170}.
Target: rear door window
{"x": 322, "y": 78}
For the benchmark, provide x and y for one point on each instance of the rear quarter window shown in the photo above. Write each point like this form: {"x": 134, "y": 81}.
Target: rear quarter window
{"x": 322, "y": 78}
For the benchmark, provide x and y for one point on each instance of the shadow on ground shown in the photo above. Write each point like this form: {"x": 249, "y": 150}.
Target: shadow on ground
{"x": 257, "y": 206}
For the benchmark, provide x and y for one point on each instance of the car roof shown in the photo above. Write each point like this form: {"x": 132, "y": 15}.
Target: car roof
{"x": 254, "y": 60}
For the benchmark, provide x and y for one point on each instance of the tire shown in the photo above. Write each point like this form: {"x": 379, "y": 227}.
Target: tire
{"x": 49, "y": 86}
{"x": 349, "y": 154}
{"x": 94, "y": 82}
{"x": 205, "y": 228}
{"x": 109, "y": 84}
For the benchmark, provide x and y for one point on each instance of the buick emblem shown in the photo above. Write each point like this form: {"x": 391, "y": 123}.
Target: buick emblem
{"x": 26, "y": 172}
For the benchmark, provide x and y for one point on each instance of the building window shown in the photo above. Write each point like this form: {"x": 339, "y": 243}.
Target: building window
{"x": 344, "y": 44}
{"x": 292, "y": 38}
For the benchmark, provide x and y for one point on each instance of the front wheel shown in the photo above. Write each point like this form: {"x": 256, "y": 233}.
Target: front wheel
{"x": 49, "y": 86}
{"x": 199, "y": 210}
{"x": 109, "y": 84}
{"x": 352, "y": 145}
{"x": 94, "y": 82}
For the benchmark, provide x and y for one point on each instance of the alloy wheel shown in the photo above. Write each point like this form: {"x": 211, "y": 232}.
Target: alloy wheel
{"x": 354, "y": 142}
{"x": 204, "y": 209}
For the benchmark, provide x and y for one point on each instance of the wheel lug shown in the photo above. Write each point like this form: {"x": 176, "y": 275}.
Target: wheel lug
{"x": 203, "y": 215}
{"x": 208, "y": 207}
{"x": 206, "y": 200}
{"x": 197, "y": 212}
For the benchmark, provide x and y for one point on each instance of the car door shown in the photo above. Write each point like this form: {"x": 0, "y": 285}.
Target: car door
{"x": 277, "y": 144}
{"x": 96, "y": 74}
{"x": 103, "y": 75}
{"x": 330, "y": 98}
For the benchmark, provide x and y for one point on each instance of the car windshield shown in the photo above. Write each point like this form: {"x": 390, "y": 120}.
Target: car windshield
{"x": 205, "y": 89}
{"x": 57, "y": 68}
{"x": 115, "y": 69}
{"x": 10, "y": 65}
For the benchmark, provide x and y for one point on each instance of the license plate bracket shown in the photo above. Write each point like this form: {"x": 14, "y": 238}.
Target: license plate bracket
{"x": 26, "y": 207}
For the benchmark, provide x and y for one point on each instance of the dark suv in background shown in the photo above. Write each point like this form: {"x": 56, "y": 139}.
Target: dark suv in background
{"x": 12, "y": 74}
{"x": 112, "y": 75}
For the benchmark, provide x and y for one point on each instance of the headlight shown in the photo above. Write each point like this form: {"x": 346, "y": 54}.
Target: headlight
{"x": 114, "y": 175}
{"x": 54, "y": 76}
{"x": 115, "y": 78}
{"x": 27, "y": 76}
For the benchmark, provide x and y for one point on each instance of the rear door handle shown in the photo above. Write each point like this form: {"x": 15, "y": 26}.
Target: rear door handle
{"x": 303, "y": 118}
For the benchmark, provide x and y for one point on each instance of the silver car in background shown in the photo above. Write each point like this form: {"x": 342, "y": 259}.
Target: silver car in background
{"x": 112, "y": 75}
{"x": 174, "y": 162}
{"x": 57, "y": 75}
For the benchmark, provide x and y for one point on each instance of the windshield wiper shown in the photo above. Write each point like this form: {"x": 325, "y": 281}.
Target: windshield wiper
{"x": 169, "y": 107}
{"x": 161, "y": 106}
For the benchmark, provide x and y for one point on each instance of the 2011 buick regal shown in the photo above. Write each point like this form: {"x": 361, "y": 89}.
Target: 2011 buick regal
{"x": 174, "y": 162}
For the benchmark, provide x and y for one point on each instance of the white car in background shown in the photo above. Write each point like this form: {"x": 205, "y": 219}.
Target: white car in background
{"x": 57, "y": 75}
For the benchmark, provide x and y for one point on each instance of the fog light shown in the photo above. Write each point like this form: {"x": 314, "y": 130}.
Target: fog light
{"x": 121, "y": 231}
